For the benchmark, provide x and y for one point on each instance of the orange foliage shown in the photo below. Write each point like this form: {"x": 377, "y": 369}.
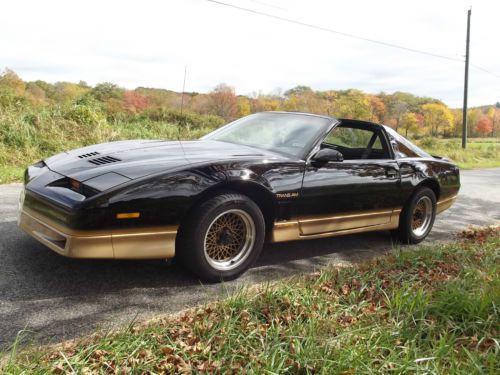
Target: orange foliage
{"x": 484, "y": 125}
{"x": 134, "y": 101}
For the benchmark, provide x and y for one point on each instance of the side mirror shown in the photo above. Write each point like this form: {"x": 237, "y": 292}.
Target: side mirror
{"x": 325, "y": 155}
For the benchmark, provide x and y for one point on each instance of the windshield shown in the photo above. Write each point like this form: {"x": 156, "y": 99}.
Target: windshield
{"x": 287, "y": 133}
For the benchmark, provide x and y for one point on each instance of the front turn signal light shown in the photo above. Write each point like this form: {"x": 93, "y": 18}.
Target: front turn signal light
{"x": 128, "y": 215}
{"x": 74, "y": 184}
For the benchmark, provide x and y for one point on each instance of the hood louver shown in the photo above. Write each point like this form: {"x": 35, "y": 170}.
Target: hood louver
{"x": 104, "y": 160}
{"x": 84, "y": 156}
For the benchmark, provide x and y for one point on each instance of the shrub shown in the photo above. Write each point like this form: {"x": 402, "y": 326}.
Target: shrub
{"x": 429, "y": 142}
{"x": 84, "y": 115}
{"x": 184, "y": 119}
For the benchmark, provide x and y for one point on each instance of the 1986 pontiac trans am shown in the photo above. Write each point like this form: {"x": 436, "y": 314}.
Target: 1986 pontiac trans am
{"x": 212, "y": 202}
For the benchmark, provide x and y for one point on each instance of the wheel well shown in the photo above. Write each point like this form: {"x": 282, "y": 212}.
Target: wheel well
{"x": 262, "y": 197}
{"x": 431, "y": 184}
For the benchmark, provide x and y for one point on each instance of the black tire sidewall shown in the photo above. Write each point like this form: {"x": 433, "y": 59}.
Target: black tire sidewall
{"x": 192, "y": 245}
{"x": 405, "y": 229}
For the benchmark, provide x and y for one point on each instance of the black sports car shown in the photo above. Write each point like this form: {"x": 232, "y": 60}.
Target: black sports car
{"x": 213, "y": 202}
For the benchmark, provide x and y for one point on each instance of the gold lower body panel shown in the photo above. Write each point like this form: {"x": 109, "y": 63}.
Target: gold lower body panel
{"x": 444, "y": 204}
{"x": 141, "y": 243}
{"x": 346, "y": 223}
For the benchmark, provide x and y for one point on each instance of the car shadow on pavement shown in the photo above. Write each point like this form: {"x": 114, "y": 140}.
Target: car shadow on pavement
{"x": 59, "y": 298}
{"x": 32, "y": 271}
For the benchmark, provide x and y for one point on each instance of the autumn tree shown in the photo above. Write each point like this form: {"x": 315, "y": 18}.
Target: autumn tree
{"x": 437, "y": 118}
{"x": 47, "y": 88}
{"x": 409, "y": 123}
{"x": 223, "y": 102}
{"x": 484, "y": 126}
{"x": 473, "y": 116}
{"x": 377, "y": 108}
{"x": 134, "y": 101}
{"x": 493, "y": 114}
{"x": 66, "y": 92}
{"x": 10, "y": 80}
{"x": 36, "y": 95}
{"x": 496, "y": 122}
{"x": 328, "y": 97}
{"x": 399, "y": 109}
{"x": 457, "y": 122}
{"x": 353, "y": 104}
{"x": 243, "y": 106}
{"x": 271, "y": 103}
{"x": 12, "y": 90}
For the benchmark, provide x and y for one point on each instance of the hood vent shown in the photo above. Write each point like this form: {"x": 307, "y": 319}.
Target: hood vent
{"x": 83, "y": 156}
{"x": 104, "y": 160}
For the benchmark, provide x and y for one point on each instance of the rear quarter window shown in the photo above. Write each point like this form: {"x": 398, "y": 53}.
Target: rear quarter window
{"x": 403, "y": 148}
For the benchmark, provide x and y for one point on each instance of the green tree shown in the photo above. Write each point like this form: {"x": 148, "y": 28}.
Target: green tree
{"x": 105, "y": 91}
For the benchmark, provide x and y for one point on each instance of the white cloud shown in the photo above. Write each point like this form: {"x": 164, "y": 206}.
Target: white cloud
{"x": 148, "y": 43}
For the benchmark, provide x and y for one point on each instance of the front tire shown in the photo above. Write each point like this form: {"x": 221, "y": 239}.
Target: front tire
{"x": 222, "y": 238}
{"x": 417, "y": 217}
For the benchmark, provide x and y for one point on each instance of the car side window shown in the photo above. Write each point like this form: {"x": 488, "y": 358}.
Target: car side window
{"x": 404, "y": 152}
{"x": 356, "y": 143}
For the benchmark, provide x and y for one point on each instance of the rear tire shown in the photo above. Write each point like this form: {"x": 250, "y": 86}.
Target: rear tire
{"x": 222, "y": 238}
{"x": 417, "y": 217}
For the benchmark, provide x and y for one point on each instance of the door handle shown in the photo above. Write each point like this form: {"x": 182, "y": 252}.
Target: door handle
{"x": 391, "y": 172}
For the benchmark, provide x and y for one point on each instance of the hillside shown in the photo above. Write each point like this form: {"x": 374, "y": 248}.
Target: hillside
{"x": 38, "y": 119}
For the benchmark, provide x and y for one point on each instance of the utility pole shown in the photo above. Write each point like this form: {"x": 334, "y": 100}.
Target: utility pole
{"x": 466, "y": 84}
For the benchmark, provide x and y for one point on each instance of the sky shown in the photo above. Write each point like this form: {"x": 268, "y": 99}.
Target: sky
{"x": 150, "y": 42}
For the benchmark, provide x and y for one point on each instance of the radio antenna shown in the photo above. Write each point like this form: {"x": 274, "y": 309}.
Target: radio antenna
{"x": 182, "y": 122}
{"x": 183, "y": 88}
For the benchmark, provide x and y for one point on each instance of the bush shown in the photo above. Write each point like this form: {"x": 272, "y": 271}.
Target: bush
{"x": 84, "y": 115}
{"x": 185, "y": 119}
{"x": 428, "y": 142}
{"x": 29, "y": 134}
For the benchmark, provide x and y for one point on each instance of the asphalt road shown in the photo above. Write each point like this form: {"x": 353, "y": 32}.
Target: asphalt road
{"x": 51, "y": 298}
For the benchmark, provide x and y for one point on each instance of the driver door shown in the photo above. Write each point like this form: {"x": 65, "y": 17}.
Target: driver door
{"x": 361, "y": 191}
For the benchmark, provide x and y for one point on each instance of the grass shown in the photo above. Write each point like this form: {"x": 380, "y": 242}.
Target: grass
{"x": 10, "y": 173}
{"x": 480, "y": 152}
{"x": 26, "y": 137}
{"x": 430, "y": 310}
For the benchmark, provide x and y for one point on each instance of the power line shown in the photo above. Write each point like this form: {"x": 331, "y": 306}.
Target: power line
{"x": 485, "y": 70}
{"x": 321, "y": 28}
{"x": 267, "y": 4}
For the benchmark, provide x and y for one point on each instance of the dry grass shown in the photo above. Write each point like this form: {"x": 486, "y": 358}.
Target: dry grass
{"x": 432, "y": 310}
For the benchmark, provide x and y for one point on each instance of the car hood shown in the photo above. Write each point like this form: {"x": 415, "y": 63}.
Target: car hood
{"x": 139, "y": 158}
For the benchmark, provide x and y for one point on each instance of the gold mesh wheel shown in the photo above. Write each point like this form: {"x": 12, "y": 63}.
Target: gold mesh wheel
{"x": 421, "y": 216}
{"x": 229, "y": 239}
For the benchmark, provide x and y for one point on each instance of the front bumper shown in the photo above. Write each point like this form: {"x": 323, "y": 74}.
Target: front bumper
{"x": 444, "y": 204}
{"x": 136, "y": 243}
